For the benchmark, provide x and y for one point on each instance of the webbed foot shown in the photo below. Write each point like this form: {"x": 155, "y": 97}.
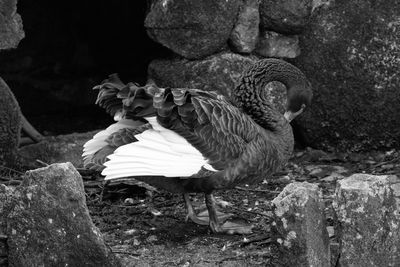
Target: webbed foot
{"x": 219, "y": 226}
{"x": 202, "y": 218}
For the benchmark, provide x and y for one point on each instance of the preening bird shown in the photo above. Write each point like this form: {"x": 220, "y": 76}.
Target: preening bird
{"x": 188, "y": 140}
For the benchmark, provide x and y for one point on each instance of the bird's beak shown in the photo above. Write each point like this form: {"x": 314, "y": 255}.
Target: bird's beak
{"x": 289, "y": 116}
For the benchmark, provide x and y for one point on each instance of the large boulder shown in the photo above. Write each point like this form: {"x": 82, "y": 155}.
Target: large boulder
{"x": 11, "y": 32}
{"x": 369, "y": 222}
{"x": 10, "y": 125}
{"x": 244, "y": 35}
{"x": 7, "y": 194}
{"x": 50, "y": 225}
{"x": 298, "y": 227}
{"x": 191, "y": 28}
{"x": 218, "y": 72}
{"x": 273, "y": 44}
{"x": 285, "y": 16}
{"x": 351, "y": 54}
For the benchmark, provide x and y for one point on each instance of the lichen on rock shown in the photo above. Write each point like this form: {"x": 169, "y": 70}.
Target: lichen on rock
{"x": 50, "y": 225}
{"x": 368, "y": 216}
{"x": 298, "y": 227}
{"x": 351, "y": 53}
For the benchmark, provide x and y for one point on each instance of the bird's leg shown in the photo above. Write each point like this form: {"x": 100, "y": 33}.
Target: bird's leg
{"x": 218, "y": 226}
{"x": 202, "y": 218}
{"x": 191, "y": 213}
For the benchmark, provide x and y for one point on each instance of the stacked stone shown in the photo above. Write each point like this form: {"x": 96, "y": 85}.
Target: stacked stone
{"x": 215, "y": 41}
{"x": 349, "y": 51}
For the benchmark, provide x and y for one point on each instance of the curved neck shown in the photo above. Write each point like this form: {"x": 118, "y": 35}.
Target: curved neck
{"x": 248, "y": 95}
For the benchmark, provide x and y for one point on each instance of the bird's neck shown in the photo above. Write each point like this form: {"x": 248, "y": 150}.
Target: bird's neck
{"x": 250, "y": 97}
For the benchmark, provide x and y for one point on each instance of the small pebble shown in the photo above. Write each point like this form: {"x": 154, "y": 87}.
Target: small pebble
{"x": 331, "y": 231}
{"x": 136, "y": 242}
{"x": 129, "y": 200}
{"x": 152, "y": 238}
{"x": 130, "y": 231}
{"x": 156, "y": 212}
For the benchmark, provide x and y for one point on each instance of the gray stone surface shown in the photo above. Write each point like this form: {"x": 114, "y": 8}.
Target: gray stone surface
{"x": 55, "y": 149}
{"x": 11, "y": 32}
{"x": 244, "y": 35}
{"x": 351, "y": 53}
{"x": 273, "y": 44}
{"x": 50, "y": 225}
{"x": 285, "y": 16}
{"x": 298, "y": 228}
{"x": 369, "y": 220}
{"x": 219, "y": 72}
{"x": 10, "y": 125}
{"x": 7, "y": 194}
{"x": 192, "y": 28}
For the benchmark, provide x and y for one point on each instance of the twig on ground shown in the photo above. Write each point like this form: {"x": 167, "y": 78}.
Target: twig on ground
{"x": 266, "y": 238}
{"x": 42, "y": 162}
{"x": 8, "y": 173}
{"x": 249, "y": 211}
{"x": 30, "y": 130}
{"x": 126, "y": 252}
{"x": 257, "y": 190}
{"x": 385, "y": 162}
{"x": 12, "y": 182}
{"x": 86, "y": 172}
{"x": 24, "y": 141}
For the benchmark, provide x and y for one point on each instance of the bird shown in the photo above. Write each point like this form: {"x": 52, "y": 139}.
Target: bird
{"x": 188, "y": 140}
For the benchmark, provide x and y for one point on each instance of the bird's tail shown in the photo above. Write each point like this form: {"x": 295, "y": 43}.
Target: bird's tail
{"x": 129, "y": 101}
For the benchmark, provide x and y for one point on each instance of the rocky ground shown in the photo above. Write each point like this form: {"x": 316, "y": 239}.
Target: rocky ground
{"x": 145, "y": 227}
{"x": 148, "y": 228}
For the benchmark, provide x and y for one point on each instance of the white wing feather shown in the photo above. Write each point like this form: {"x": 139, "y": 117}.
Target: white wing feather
{"x": 158, "y": 152}
{"x": 98, "y": 140}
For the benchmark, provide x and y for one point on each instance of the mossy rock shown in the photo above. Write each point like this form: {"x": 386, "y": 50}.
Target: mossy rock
{"x": 351, "y": 54}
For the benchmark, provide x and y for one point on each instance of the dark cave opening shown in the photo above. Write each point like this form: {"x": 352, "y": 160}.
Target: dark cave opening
{"x": 69, "y": 47}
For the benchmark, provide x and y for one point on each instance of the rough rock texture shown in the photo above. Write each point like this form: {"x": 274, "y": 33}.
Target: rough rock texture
{"x": 298, "y": 228}
{"x": 218, "y": 72}
{"x": 191, "y": 28}
{"x": 351, "y": 54}
{"x": 10, "y": 125}
{"x": 285, "y": 16}
{"x": 6, "y": 195}
{"x": 272, "y": 44}
{"x": 50, "y": 223}
{"x": 11, "y": 32}
{"x": 55, "y": 149}
{"x": 244, "y": 35}
{"x": 370, "y": 224}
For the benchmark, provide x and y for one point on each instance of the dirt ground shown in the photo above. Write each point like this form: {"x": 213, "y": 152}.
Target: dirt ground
{"x": 148, "y": 228}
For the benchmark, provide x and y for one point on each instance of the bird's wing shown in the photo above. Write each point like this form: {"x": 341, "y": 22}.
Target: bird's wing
{"x": 105, "y": 142}
{"x": 208, "y": 121}
{"x": 194, "y": 132}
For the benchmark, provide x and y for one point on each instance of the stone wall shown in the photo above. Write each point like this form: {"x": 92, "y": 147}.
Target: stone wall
{"x": 348, "y": 49}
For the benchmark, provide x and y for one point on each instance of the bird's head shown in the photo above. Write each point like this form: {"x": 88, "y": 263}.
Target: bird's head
{"x": 299, "y": 98}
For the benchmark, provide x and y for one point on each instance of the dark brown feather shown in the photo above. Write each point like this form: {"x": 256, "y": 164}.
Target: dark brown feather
{"x": 115, "y": 140}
